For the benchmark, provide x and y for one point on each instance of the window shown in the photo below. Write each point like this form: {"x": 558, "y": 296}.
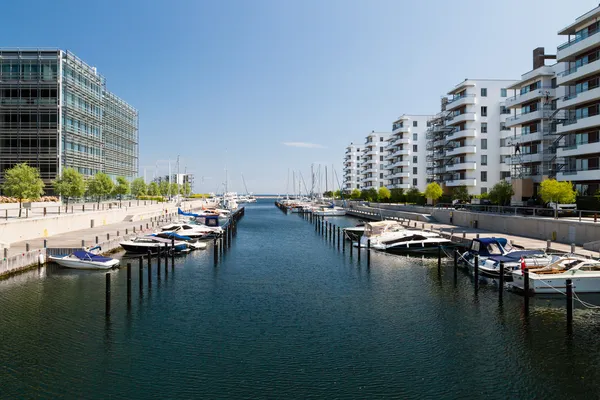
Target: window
{"x": 415, "y": 159}
{"x": 483, "y": 190}
{"x": 502, "y": 92}
{"x": 381, "y": 175}
{"x": 415, "y": 148}
{"x": 381, "y": 149}
{"x": 357, "y": 158}
{"x": 483, "y": 176}
{"x": 484, "y": 111}
{"x": 415, "y": 182}
{"x": 381, "y": 139}
{"x": 504, "y": 174}
{"x": 415, "y": 170}
{"x": 414, "y": 124}
{"x": 483, "y": 159}
{"x": 503, "y": 126}
{"x": 415, "y": 137}
{"x": 380, "y": 184}
{"x": 358, "y": 186}
{"x": 483, "y": 92}
{"x": 484, "y": 127}
{"x": 483, "y": 144}
{"x": 380, "y": 158}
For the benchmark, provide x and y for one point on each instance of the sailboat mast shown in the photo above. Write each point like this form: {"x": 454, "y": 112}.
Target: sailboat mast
{"x": 326, "y": 188}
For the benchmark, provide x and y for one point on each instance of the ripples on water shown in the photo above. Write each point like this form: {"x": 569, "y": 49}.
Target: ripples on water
{"x": 287, "y": 316}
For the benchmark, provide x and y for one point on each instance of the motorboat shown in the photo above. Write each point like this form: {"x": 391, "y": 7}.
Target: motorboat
{"x": 381, "y": 231}
{"x": 330, "y": 211}
{"x": 354, "y": 233}
{"x": 82, "y": 259}
{"x": 583, "y": 272}
{"x": 195, "y": 231}
{"x": 192, "y": 243}
{"x": 416, "y": 242}
{"x": 152, "y": 243}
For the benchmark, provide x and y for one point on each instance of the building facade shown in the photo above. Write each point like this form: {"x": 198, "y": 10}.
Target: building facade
{"x": 405, "y": 160}
{"x": 467, "y": 140}
{"x": 534, "y": 116}
{"x": 352, "y": 161}
{"x": 580, "y": 80}
{"x": 53, "y": 109}
{"x": 372, "y": 171}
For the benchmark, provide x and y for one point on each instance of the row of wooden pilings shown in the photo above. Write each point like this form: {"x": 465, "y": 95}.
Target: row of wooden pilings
{"x": 334, "y": 234}
{"x": 220, "y": 245}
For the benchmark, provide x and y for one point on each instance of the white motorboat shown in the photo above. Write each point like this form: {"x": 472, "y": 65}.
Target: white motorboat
{"x": 583, "y": 272}
{"x": 143, "y": 244}
{"x": 195, "y": 231}
{"x": 415, "y": 242}
{"x": 82, "y": 259}
{"x": 330, "y": 211}
{"x": 382, "y": 231}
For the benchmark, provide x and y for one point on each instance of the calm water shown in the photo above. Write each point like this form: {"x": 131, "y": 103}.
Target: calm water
{"x": 287, "y": 316}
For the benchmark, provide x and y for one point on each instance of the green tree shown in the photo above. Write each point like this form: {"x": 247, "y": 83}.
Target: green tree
{"x": 121, "y": 188}
{"x": 327, "y": 193}
{"x": 100, "y": 185}
{"x": 355, "y": 194}
{"x": 412, "y": 195}
{"x": 337, "y": 194}
{"x": 384, "y": 194}
{"x": 369, "y": 194}
{"x": 501, "y": 193}
{"x": 70, "y": 184}
{"x": 163, "y": 188}
{"x": 433, "y": 191}
{"x": 138, "y": 187}
{"x": 23, "y": 182}
{"x": 174, "y": 189}
{"x": 153, "y": 189}
{"x": 397, "y": 196}
{"x": 557, "y": 192}
{"x": 461, "y": 193}
{"x": 186, "y": 189}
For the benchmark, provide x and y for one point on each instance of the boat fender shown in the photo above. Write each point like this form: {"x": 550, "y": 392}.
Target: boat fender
{"x": 523, "y": 264}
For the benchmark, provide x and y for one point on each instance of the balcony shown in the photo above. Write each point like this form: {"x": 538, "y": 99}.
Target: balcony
{"x": 575, "y": 176}
{"x": 439, "y": 143}
{"x": 371, "y": 152}
{"x": 458, "y": 102}
{"x": 464, "y": 117}
{"x": 573, "y": 100}
{"x": 569, "y": 50}
{"x": 391, "y": 155}
{"x": 401, "y": 141}
{"x": 468, "y": 165}
{"x": 465, "y": 133}
{"x": 526, "y": 158}
{"x": 527, "y": 138}
{"x": 579, "y": 149}
{"x": 398, "y": 164}
{"x": 519, "y": 99}
{"x": 461, "y": 182}
{"x": 369, "y": 171}
{"x": 572, "y": 75}
{"x": 577, "y": 124}
{"x": 397, "y": 175}
{"x": 470, "y": 149}
{"x": 370, "y": 179}
{"x": 401, "y": 129}
{"x": 400, "y": 186}
{"x": 403, "y": 152}
{"x": 521, "y": 118}
{"x": 439, "y": 170}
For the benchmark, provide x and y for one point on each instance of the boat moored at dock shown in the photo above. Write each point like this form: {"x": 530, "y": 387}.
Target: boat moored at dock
{"x": 82, "y": 259}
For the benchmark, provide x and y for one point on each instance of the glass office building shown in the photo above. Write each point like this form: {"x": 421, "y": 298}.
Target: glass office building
{"x": 56, "y": 112}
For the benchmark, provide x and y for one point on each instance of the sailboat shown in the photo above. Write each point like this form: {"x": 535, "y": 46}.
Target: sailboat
{"x": 248, "y": 197}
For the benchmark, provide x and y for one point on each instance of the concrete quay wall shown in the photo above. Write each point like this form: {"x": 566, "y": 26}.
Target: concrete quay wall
{"x": 12, "y": 231}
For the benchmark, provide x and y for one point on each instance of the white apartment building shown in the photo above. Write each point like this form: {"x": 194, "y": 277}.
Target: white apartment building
{"x": 580, "y": 103}
{"x": 405, "y": 160}
{"x": 534, "y": 141}
{"x": 467, "y": 140}
{"x": 352, "y": 160}
{"x": 372, "y": 171}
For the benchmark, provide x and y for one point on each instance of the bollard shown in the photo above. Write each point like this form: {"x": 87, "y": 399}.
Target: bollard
{"x": 128, "y": 284}
{"x": 476, "y": 272}
{"x": 82, "y": 243}
{"x": 45, "y": 243}
{"x": 548, "y": 245}
{"x": 107, "y": 295}
{"x": 569, "y": 302}
{"x": 44, "y": 211}
{"x": 96, "y": 239}
{"x": 501, "y": 281}
{"x": 149, "y": 269}
{"x": 477, "y": 235}
{"x": 134, "y": 229}
{"x": 464, "y": 234}
{"x": 5, "y": 252}
{"x": 141, "y": 228}
{"x": 572, "y": 248}
{"x": 141, "y": 273}
{"x": 26, "y": 246}
{"x": 108, "y": 236}
{"x": 526, "y": 289}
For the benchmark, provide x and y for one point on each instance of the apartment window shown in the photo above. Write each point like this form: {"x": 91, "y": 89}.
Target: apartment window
{"x": 415, "y": 159}
{"x": 415, "y": 148}
{"x": 415, "y": 124}
{"x": 381, "y": 175}
{"x": 503, "y": 127}
{"x": 415, "y": 137}
{"x": 483, "y": 176}
{"x": 483, "y": 144}
{"x": 483, "y": 92}
{"x": 484, "y": 111}
{"x": 415, "y": 170}
{"x": 483, "y": 159}
{"x": 553, "y": 83}
{"x": 380, "y": 158}
{"x": 381, "y": 139}
{"x": 483, "y": 190}
{"x": 380, "y": 184}
{"x": 502, "y": 92}
{"x": 415, "y": 182}
{"x": 484, "y": 127}
{"x": 504, "y": 174}
{"x": 428, "y": 124}
{"x": 357, "y": 158}
{"x": 381, "y": 149}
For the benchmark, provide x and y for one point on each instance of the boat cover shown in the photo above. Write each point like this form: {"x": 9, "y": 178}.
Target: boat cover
{"x": 516, "y": 255}
{"x": 187, "y": 213}
{"x": 87, "y": 256}
{"x": 173, "y": 235}
{"x": 480, "y": 246}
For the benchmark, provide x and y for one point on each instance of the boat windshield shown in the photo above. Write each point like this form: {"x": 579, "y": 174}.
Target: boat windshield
{"x": 494, "y": 249}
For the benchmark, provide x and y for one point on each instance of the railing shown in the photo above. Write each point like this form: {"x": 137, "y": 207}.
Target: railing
{"x": 576, "y": 40}
{"x": 518, "y": 210}
{"x": 457, "y": 98}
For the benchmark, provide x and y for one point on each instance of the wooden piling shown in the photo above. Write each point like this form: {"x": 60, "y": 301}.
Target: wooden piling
{"x": 158, "y": 260}
{"x": 172, "y": 253}
{"x": 141, "y": 273}
{"x": 455, "y": 266}
{"x": 338, "y": 237}
{"x": 439, "y": 263}
{"x": 351, "y": 247}
{"x": 166, "y": 259}
{"x": 526, "y": 289}
{"x": 501, "y": 282}
{"x": 149, "y": 269}
{"x": 569, "y": 301}
{"x": 476, "y": 272}
{"x": 368, "y": 252}
{"x": 107, "y": 295}
{"x": 215, "y": 251}
{"x": 128, "y": 283}
{"x": 358, "y": 250}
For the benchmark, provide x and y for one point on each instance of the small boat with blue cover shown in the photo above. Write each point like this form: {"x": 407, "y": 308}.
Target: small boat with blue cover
{"x": 82, "y": 259}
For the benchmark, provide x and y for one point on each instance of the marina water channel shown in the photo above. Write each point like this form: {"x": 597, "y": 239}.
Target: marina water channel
{"x": 285, "y": 314}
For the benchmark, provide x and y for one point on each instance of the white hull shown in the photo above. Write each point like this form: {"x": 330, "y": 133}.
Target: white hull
{"x": 334, "y": 213}
{"x": 81, "y": 264}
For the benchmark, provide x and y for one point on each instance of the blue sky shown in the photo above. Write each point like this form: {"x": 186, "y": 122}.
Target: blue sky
{"x": 227, "y": 83}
